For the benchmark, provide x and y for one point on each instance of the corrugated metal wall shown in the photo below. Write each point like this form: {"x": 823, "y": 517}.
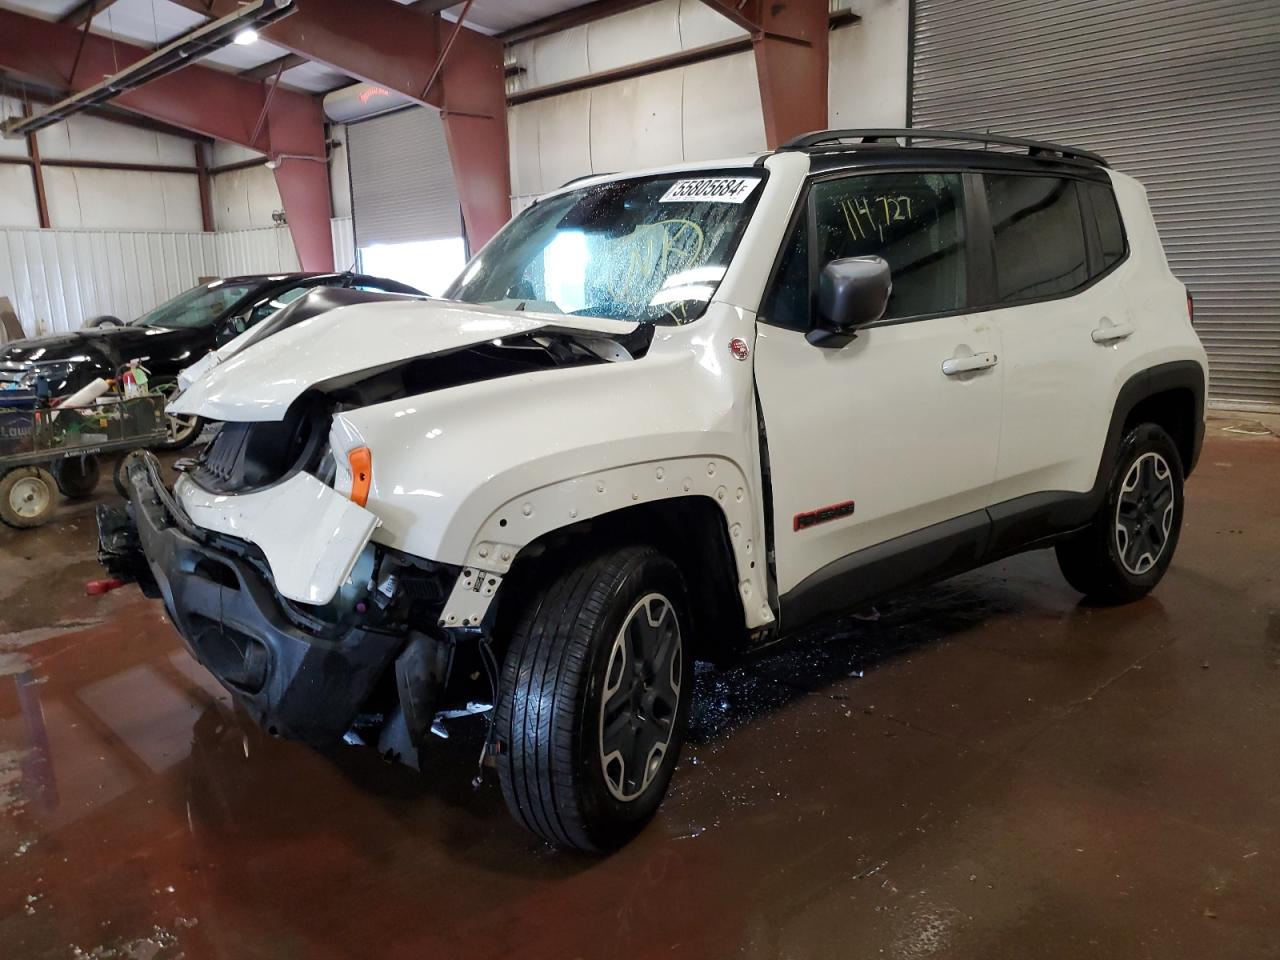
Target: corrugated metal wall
{"x": 1183, "y": 94}
{"x": 58, "y": 278}
{"x": 262, "y": 250}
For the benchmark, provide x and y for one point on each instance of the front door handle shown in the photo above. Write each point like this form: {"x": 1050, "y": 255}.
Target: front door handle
{"x": 1112, "y": 332}
{"x": 978, "y": 361}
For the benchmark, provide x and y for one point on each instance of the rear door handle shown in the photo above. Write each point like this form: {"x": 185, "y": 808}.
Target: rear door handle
{"x": 979, "y": 361}
{"x": 1111, "y": 332}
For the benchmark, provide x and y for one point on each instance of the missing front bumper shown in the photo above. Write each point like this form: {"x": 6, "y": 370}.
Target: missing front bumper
{"x": 293, "y": 683}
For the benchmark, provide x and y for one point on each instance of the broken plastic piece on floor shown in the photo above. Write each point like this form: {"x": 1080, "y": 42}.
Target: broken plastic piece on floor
{"x": 95, "y": 588}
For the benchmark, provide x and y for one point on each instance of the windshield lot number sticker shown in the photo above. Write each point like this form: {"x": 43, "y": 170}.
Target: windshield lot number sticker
{"x": 714, "y": 189}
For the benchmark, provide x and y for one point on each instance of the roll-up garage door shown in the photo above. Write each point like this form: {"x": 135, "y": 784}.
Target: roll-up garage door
{"x": 402, "y": 187}
{"x": 1182, "y": 94}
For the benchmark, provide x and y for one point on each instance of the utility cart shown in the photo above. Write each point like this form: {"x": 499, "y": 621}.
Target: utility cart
{"x": 46, "y": 448}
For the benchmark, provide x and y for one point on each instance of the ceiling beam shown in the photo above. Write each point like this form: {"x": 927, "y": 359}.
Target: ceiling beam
{"x": 269, "y": 69}
{"x": 403, "y": 49}
{"x": 196, "y": 98}
{"x": 37, "y": 93}
{"x": 84, "y": 12}
{"x": 389, "y": 44}
{"x": 432, "y": 6}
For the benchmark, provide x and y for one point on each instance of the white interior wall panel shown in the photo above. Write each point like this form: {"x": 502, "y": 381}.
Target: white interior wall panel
{"x": 57, "y": 279}
{"x": 340, "y": 172}
{"x": 698, "y": 112}
{"x": 1183, "y": 94}
{"x": 244, "y": 199}
{"x": 17, "y": 197}
{"x": 651, "y": 31}
{"x": 343, "y": 232}
{"x": 261, "y": 250}
{"x": 640, "y": 34}
{"x": 92, "y": 138}
{"x": 223, "y": 153}
{"x": 721, "y": 108}
{"x": 635, "y": 123}
{"x": 867, "y": 79}
{"x": 85, "y": 198}
{"x": 701, "y": 26}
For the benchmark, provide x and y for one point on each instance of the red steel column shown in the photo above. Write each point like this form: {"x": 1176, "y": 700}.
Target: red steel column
{"x": 793, "y": 72}
{"x": 37, "y": 174}
{"x": 302, "y": 175}
{"x": 790, "y": 42}
{"x": 474, "y": 112}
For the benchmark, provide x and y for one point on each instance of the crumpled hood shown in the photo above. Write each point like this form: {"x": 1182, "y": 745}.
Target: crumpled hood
{"x": 261, "y": 381}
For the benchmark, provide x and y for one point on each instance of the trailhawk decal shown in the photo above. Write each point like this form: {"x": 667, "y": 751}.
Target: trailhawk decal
{"x": 714, "y": 189}
{"x": 812, "y": 518}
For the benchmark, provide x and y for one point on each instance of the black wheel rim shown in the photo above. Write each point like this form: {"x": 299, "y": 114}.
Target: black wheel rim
{"x": 641, "y": 697}
{"x": 1144, "y": 513}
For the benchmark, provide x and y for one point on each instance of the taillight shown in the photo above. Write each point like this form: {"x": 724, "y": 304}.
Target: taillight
{"x": 361, "y": 461}
{"x": 1191, "y": 309}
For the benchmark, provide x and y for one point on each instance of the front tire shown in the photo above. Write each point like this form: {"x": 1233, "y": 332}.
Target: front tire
{"x": 595, "y": 700}
{"x": 1129, "y": 544}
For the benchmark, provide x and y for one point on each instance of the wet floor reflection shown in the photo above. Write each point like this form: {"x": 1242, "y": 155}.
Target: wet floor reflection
{"x": 986, "y": 767}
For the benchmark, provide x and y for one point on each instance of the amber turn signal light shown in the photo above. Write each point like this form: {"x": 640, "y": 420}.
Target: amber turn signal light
{"x": 361, "y": 461}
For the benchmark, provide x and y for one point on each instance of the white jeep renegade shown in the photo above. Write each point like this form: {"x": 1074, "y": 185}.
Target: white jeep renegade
{"x": 668, "y": 416}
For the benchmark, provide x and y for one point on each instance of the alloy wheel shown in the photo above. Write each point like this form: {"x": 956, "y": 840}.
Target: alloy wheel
{"x": 180, "y": 429}
{"x": 641, "y": 697}
{"x": 1144, "y": 513}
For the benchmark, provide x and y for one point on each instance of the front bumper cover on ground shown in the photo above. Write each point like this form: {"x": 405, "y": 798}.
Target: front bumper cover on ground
{"x": 293, "y": 683}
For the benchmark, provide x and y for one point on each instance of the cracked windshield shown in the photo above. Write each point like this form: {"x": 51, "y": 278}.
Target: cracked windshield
{"x": 651, "y": 250}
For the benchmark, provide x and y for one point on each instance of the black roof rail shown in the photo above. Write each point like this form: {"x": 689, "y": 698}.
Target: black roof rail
{"x": 1034, "y": 148}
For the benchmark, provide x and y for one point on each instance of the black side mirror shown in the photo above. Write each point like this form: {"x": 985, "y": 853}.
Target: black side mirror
{"x": 852, "y": 293}
{"x": 231, "y": 328}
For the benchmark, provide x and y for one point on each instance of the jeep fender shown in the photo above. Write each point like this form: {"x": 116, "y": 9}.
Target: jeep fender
{"x": 521, "y": 520}
{"x": 471, "y": 475}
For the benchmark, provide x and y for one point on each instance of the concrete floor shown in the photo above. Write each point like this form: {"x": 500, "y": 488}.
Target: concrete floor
{"x": 989, "y": 770}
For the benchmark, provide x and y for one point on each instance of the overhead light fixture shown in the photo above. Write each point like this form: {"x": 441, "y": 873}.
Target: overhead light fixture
{"x": 173, "y": 56}
{"x": 246, "y": 36}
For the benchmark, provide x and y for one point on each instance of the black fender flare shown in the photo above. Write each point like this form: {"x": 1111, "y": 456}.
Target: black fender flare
{"x": 1176, "y": 375}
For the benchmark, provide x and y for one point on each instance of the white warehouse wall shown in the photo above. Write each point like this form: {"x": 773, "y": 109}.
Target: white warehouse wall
{"x": 80, "y": 197}
{"x": 698, "y": 112}
{"x": 56, "y": 279}
{"x": 867, "y": 77}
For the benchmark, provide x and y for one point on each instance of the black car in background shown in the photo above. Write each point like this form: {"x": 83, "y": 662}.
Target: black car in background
{"x": 171, "y": 337}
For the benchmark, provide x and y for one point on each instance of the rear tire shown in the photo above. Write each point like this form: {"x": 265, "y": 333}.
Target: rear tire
{"x": 77, "y": 477}
{"x": 27, "y": 497}
{"x": 595, "y": 699}
{"x": 1129, "y": 544}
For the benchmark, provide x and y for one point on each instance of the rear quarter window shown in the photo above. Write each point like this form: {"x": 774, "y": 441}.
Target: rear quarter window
{"x": 1102, "y": 201}
{"x": 1039, "y": 236}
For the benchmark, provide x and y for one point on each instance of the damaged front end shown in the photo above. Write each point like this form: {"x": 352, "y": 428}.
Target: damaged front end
{"x": 265, "y": 556}
{"x": 358, "y": 667}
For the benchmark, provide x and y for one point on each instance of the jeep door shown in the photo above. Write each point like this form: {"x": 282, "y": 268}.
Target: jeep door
{"x": 882, "y": 453}
{"x": 1067, "y": 328}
